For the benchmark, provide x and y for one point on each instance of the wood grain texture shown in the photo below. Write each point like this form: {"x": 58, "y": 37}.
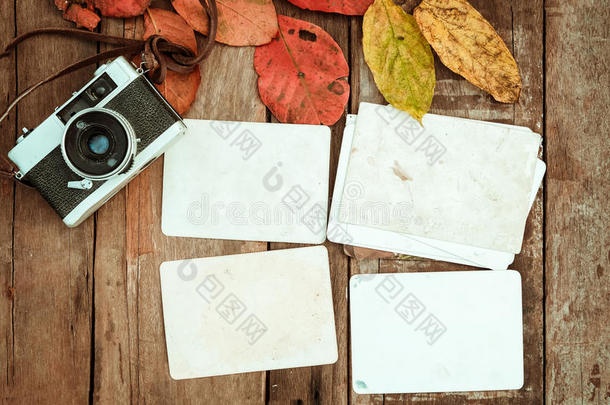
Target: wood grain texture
{"x": 115, "y": 378}
{"x": 52, "y": 264}
{"x": 577, "y": 215}
{"x": 130, "y": 341}
{"x": 519, "y": 25}
{"x": 322, "y": 384}
{"x": 80, "y": 309}
{"x": 8, "y": 80}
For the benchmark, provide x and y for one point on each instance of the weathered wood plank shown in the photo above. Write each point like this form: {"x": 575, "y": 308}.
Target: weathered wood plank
{"x": 113, "y": 380}
{"x": 363, "y": 90}
{"x": 8, "y": 81}
{"x": 47, "y": 359}
{"x": 134, "y": 336}
{"x": 52, "y": 264}
{"x": 321, "y": 384}
{"x": 577, "y": 216}
{"x": 519, "y": 25}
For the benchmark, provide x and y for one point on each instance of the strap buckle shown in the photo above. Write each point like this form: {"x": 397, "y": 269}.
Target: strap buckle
{"x": 10, "y": 174}
{"x": 8, "y": 170}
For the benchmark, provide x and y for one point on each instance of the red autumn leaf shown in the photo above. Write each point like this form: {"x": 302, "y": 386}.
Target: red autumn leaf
{"x": 122, "y": 8}
{"x": 83, "y": 17}
{"x": 302, "y": 74}
{"x": 63, "y": 4}
{"x": 171, "y": 26}
{"x": 179, "y": 89}
{"x": 82, "y": 14}
{"x": 349, "y": 7}
{"x": 240, "y": 22}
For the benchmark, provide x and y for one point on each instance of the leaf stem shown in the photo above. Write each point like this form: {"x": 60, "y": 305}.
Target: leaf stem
{"x": 154, "y": 23}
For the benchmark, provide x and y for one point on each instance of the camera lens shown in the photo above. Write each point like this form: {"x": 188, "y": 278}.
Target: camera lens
{"x": 98, "y": 144}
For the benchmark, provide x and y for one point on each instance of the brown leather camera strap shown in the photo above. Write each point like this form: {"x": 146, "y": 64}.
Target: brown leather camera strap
{"x": 6, "y": 168}
{"x": 158, "y": 56}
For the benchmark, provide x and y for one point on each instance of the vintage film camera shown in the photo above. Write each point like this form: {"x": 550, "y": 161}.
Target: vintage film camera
{"x": 95, "y": 143}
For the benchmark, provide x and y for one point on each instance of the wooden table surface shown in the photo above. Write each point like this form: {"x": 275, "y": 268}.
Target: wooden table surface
{"x": 80, "y": 309}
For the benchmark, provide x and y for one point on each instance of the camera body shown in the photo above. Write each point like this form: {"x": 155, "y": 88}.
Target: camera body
{"x": 100, "y": 139}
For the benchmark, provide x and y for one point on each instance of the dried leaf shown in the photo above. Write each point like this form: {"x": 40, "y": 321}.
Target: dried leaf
{"x": 467, "y": 44}
{"x": 122, "y": 8}
{"x": 348, "y": 7}
{"x": 240, "y": 22}
{"x": 80, "y": 12}
{"x": 171, "y": 26}
{"x": 407, "y": 5}
{"x": 179, "y": 89}
{"x": 302, "y": 74}
{"x": 399, "y": 57}
{"x": 63, "y": 4}
{"x": 83, "y": 17}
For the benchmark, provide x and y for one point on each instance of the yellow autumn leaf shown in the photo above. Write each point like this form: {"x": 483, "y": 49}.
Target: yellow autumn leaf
{"x": 399, "y": 57}
{"x": 467, "y": 44}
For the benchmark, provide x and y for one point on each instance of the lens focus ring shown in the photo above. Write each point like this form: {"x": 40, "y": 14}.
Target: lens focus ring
{"x": 98, "y": 144}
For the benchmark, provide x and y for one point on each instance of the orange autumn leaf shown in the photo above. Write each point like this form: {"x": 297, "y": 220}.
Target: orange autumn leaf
{"x": 302, "y": 74}
{"x": 240, "y": 22}
{"x": 347, "y": 7}
{"x": 122, "y": 8}
{"x": 179, "y": 89}
{"x": 468, "y": 45}
{"x": 82, "y": 14}
{"x": 169, "y": 25}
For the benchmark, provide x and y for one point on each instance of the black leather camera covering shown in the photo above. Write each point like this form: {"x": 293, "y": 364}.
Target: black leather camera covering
{"x": 149, "y": 117}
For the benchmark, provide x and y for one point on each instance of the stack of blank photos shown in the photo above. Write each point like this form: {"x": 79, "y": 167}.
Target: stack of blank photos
{"x": 449, "y": 189}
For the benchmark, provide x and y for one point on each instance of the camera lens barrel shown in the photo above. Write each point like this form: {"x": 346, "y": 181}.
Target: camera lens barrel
{"x": 98, "y": 144}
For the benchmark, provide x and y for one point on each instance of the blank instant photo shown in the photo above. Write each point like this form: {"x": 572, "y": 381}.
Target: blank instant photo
{"x": 380, "y": 239}
{"x": 464, "y": 181}
{"x": 248, "y": 181}
{"x": 436, "y": 332}
{"x": 248, "y": 312}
